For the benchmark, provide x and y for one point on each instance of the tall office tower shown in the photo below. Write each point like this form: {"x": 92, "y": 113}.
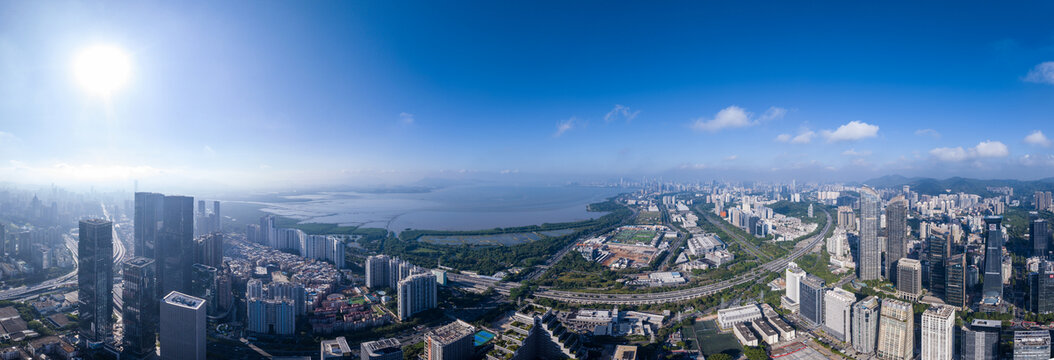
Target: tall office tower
{"x": 377, "y": 271}
{"x": 794, "y": 276}
{"x": 846, "y": 219}
{"x": 201, "y": 220}
{"x": 95, "y": 282}
{"x": 383, "y": 349}
{"x": 938, "y": 249}
{"x": 176, "y": 245}
{"x": 453, "y": 341}
{"x": 909, "y": 276}
{"x": 980, "y": 341}
{"x": 811, "y": 293}
{"x": 217, "y": 220}
{"x": 149, "y": 213}
{"x": 203, "y": 285}
{"x": 140, "y": 310}
{"x": 870, "y": 265}
{"x": 938, "y": 337}
{"x": 1032, "y": 345}
{"x": 3, "y": 240}
{"x": 211, "y": 246}
{"x": 992, "y": 293}
{"x": 955, "y": 286}
{"x": 291, "y": 291}
{"x": 182, "y": 327}
{"x": 865, "y": 325}
{"x": 1041, "y": 289}
{"x": 224, "y": 296}
{"x": 417, "y": 293}
{"x": 1039, "y": 233}
{"x": 838, "y": 307}
{"x": 896, "y": 234}
{"x": 896, "y": 331}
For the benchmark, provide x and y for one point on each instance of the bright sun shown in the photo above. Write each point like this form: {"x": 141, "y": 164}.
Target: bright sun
{"x": 102, "y": 69}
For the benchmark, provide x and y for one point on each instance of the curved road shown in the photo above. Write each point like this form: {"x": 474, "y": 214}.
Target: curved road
{"x": 659, "y": 297}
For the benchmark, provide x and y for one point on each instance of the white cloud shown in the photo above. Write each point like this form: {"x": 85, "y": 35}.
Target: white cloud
{"x": 783, "y": 137}
{"x": 804, "y": 137}
{"x": 406, "y": 118}
{"x": 729, "y": 117}
{"x": 928, "y": 132}
{"x": 621, "y": 111}
{"x": 854, "y": 130}
{"x": 1037, "y": 138}
{"x": 773, "y": 113}
{"x": 208, "y": 151}
{"x": 731, "y": 157}
{"x": 984, "y": 149}
{"x": 1042, "y": 73}
{"x": 990, "y": 148}
{"x": 853, "y": 152}
{"x": 949, "y": 154}
{"x": 565, "y": 126}
{"x": 693, "y": 166}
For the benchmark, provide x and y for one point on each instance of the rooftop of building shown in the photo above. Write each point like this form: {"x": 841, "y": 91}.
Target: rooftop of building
{"x": 986, "y": 323}
{"x": 183, "y": 300}
{"x": 338, "y": 346}
{"x": 940, "y": 311}
{"x": 382, "y": 346}
{"x": 625, "y": 352}
{"x": 452, "y": 332}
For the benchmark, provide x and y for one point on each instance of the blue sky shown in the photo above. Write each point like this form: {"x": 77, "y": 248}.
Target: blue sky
{"x": 275, "y": 93}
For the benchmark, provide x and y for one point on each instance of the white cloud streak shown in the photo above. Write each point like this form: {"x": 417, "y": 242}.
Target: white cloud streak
{"x": 621, "y": 112}
{"x": 1037, "y": 138}
{"x": 852, "y": 131}
{"x": 735, "y": 117}
{"x": 1042, "y": 73}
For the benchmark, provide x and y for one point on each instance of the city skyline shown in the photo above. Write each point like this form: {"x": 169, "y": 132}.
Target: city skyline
{"x": 352, "y": 94}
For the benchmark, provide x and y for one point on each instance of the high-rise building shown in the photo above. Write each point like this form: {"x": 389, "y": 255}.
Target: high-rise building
{"x": 794, "y": 276}
{"x": 253, "y": 234}
{"x": 271, "y": 316}
{"x": 384, "y": 349}
{"x": 1032, "y": 345}
{"x": 955, "y": 286}
{"x": 896, "y": 330}
{"x": 838, "y": 305}
{"x": 268, "y": 230}
{"x": 417, "y": 293}
{"x": 377, "y": 271}
{"x": 217, "y": 220}
{"x": 865, "y": 325}
{"x": 149, "y": 214}
{"x": 211, "y": 252}
{"x": 95, "y": 282}
{"x": 140, "y": 310}
{"x": 1041, "y": 289}
{"x": 992, "y": 293}
{"x": 909, "y": 278}
{"x": 938, "y": 338}
{"x": 938, "y": 249}
{"x": 1039, "y": 233}
{"x": 324, "y": 247}
{"x": 453, "y": 341}
{"x": 176, "y": 245}
{"x": 980, "y": 341}
{"x": 182, "y": 327}
{"x": 203, "y": 285}
{"x": 811, "y": 292}
{"x": 896, "y": 233}
{"x": 845, "y": 218}
{"x": 870, "y": 265}
{"x": 1043, "y": 200}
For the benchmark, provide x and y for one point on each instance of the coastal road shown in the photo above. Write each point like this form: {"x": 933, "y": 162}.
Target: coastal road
{"x": 658, "y": 297}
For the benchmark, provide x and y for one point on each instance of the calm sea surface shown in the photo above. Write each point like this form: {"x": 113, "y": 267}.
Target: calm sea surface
{"x": 450, "y": 208}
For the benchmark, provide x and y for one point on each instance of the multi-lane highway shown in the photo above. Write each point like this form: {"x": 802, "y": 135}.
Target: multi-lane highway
{"x": 658, "y": 297}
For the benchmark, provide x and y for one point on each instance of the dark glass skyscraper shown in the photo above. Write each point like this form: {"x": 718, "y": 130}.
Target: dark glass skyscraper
{"x": 149, "y": 209}
{"x": 955, "y": 286}
{"x": 981, "y": 340}
{"x": 896, "y": 234}
{"x": 870, "y": 265}
{"x": 177, "y": 245}
{"x": 1039, "y": 232}
{"x": 1041, "y": 289}
{"x": 938, "y": 249}
{"x": 992, "y": 293}
{"x": 811, "y": 299}
{"x": 95, "y": 282}
{"x": 140, "y": 311}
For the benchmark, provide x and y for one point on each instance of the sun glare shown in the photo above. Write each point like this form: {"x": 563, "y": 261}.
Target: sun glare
{"x": 102, "y": 69}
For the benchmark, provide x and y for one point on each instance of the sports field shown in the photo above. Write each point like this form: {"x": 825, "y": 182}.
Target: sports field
{"x": 634, "y": 236}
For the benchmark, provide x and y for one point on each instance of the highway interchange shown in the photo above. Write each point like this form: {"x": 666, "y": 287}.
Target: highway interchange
{"x": 578, "y": 297}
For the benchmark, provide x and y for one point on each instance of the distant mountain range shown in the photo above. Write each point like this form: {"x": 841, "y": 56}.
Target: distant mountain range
{"x": 932, "y": 186}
